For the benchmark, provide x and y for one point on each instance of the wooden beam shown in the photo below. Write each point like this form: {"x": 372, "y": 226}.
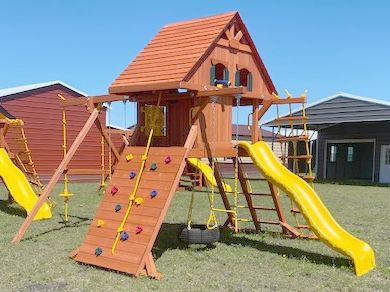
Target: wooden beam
{"x": 85, "y": 171}
{"x": 222, "y": 91}
{"x": 278, "y": 206}
{"x": 202, "y": 105}
{"x": 289, "y": 100}
{"x": 140, "y": 87}
{"x": 57, "y": 174}
{"x": 238, "y": 35}
{"x": 107, "y": 138}
{"x": 255, "y": 121}
{"x": 242, "y": 47}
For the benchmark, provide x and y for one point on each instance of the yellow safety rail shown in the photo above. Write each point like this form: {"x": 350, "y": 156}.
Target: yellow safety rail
{"x": 132, "y": 197}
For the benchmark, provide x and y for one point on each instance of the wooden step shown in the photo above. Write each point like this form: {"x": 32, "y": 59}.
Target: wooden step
{"x": 261, "y": 194}
{"x": 293, "y": 138}
{"x": 293, "y": 119}
{"x": 303, "y": 226}
{"x": 295, "y": 210}
{"x": 296, "y": 157}
{"x": 269, "y": 222}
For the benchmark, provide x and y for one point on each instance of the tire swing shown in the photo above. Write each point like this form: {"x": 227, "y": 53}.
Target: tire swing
{"x": 200, "y": 233}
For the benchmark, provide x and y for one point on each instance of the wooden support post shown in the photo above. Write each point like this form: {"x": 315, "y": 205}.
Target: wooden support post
{"x": 248, "y": 197}
{"x": 255, "y": 121}
{"x": 107, "y": 139}
{"x": 278, "y": 207}
{"x": 57, "y": 174}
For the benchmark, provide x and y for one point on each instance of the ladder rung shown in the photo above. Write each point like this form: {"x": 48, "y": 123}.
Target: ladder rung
{"x": 295, "y": 210}
{"x": 302, "y": 226}
{"x": 296, "y": 157}
{"x": 291, "y": 119}
{"x": 269, "y": 222}
{"x": 244, "y": 220}
{"x": 308, "y": 178}
{"x": 264, "y": 208}
{"x": 255, "y": 178}
{"x": 260, "y": 194}
{"x": 292, "y": 138}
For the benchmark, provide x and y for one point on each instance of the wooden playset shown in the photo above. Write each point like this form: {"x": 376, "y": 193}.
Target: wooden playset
{"x": 186, "y": 82}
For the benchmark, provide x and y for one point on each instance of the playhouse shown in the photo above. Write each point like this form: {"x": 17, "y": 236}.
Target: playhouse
{"x": 186, "y": 82}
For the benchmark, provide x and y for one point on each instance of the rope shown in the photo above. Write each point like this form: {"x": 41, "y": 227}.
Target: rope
{"x": 132, "y": 197}
{"x": 238, "y": 99}
{"x": 212, "y": 220}
{"x": 109, "y": 146}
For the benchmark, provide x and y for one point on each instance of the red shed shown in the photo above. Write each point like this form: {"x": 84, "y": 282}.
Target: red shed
{"x": 38, "y": 106}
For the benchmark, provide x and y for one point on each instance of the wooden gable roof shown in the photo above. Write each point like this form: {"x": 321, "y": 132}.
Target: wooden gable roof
{"x": 177, "y": 50}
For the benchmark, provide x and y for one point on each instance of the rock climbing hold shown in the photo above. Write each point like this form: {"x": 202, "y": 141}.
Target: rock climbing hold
{"x": 168, "y": 159}
{"x": 153, "y": 193}
{"x": 124, "y": 236}
{"x": 118, "y": 207}
{"x": 138, "y": 229}
{"x": 153, "y": 166}
{"x": 129, "y": 157}
{"x": 138, "y": 201}
{"x": 98, "y": 251}
{"x": 100, "y": 223}
{"x": 132, "y": 175}
{"x": 114, "y": 190}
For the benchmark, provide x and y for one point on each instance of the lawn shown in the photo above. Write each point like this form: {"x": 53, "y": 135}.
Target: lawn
{"x": 239, "y": 262}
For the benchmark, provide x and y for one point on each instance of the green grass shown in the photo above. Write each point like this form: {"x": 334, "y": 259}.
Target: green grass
{"x": 239, "y": 262}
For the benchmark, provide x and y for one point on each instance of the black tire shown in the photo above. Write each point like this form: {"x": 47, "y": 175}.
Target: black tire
{"x": 199, "y": 234}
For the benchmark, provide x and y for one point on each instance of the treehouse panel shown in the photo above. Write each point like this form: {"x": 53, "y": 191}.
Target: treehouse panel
{"x": 232, "y": 61}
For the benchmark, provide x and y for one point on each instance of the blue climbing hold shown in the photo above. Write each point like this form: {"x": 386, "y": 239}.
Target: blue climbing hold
{"x": 118, "y": 207}
{"x": 153, "y": 166}
{"x": 132, "y": 175}
{"x": 98, "y": 251}
{"x": 124, "y": 236}
{"x": 153, "y": 193}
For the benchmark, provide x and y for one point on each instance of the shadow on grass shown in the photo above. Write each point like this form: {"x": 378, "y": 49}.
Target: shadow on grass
{"x": 168, "y": 239}
{"x": 81, "y": 221}
{"x": 285, "y": 251}
{"x": 8, "y": 208}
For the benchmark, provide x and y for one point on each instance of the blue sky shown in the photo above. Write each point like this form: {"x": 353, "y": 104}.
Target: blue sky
{"x": 325, "y": 46}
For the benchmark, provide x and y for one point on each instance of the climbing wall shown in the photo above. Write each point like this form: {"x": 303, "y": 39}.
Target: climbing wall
{"x": 163, "y": 169}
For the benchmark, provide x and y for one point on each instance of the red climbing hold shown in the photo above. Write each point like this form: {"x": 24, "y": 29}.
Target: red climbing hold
{"x": 138, "y": 229}
{"x": 114, "y": 190}
{"x": 168, "y": 159}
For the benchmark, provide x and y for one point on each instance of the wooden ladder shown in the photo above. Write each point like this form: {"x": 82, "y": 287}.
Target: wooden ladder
{"x": 256, "y": 217}
{"x": 23, "y": 158}
{"x": 291, "y": 157}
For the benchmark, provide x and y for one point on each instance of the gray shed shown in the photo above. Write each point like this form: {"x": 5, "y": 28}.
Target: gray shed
{"x": 353, "y": 137}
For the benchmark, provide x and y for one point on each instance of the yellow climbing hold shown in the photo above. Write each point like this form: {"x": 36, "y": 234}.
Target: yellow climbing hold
{"x": 138, "y": 201}
{"x": 100, "y": 223}
{"x": 129, "y": 157}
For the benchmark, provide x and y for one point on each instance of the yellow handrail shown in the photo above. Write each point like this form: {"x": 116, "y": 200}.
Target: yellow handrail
{"x": 132, "y": 197}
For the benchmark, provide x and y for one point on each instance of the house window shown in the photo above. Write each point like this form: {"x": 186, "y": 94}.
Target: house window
{"x": 218, "y": 72}
{"x": 244, "y": 78}
{"x": 333, "y": 153}
{"x": 349, "y": 154}
{"x": 387, "y": 156}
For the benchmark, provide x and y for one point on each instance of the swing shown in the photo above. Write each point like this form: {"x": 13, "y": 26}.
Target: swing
{"x": 198, "y": 233}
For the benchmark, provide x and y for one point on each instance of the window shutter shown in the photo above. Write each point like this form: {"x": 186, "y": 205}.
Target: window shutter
{"x": 226, "y": 74}
{"x": 212, "y": 74}
{"x": 237, "y": 78}
{"x": 250, "y": 81}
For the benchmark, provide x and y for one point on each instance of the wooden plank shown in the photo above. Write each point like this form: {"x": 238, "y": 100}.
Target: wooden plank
{"x": 57, "y": 174}
{"x": 222, "y": 92}
{"x": 188, "y": 145}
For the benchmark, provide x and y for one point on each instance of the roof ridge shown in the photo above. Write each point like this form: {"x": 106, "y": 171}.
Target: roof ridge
{"x": 232, "y": 13}
{"x": 27, "y": 87}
